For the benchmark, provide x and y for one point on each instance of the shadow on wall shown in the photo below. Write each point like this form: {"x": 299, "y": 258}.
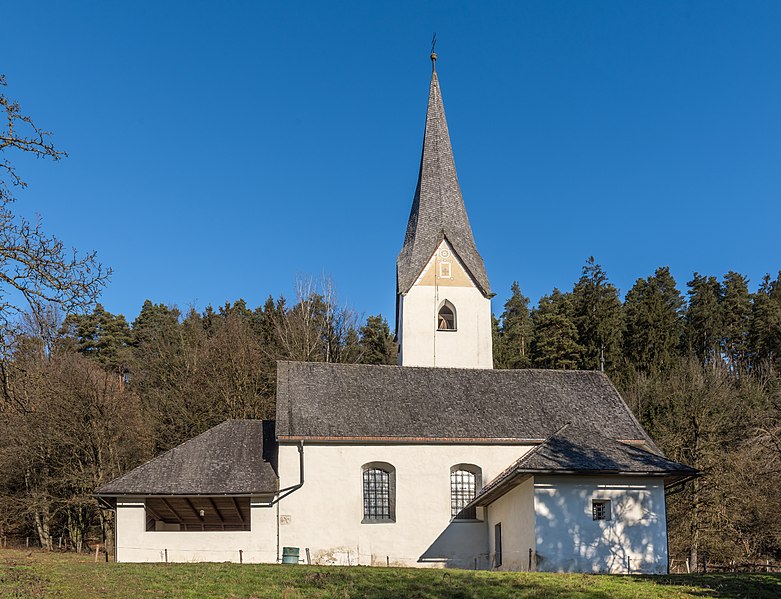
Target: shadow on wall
{"x": 570, "y": 540}
{"x": 463, "y": 544}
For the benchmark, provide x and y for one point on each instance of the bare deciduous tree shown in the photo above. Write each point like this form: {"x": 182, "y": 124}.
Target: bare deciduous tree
{"x": 36, "y": 269}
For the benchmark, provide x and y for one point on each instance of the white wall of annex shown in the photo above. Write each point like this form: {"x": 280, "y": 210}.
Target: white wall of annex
{"x": 515, "y": 512}
{"x": 634, "y": 540}
{"x": 135, "y": 544}
{"x": 325, "y": 514}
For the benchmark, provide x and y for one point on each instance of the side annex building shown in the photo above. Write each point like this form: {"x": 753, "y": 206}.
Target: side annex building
{"x": 441, "y": 461}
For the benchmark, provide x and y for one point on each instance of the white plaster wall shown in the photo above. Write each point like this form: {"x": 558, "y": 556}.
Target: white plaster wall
{"x": 569, "y": 540}
{"x": 421, "y": 344}
{"x": 325, "y": 514}
{"x": 135, "y": 544}
{"x": 515, "y": 512}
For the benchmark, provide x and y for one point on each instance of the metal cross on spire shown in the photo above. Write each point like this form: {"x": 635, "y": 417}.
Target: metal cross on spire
{"x": 433, "y": 53}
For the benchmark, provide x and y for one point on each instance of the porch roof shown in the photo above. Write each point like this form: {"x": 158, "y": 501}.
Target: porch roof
{"x": 237, "y": 457}
{"x": 578, "y": 450}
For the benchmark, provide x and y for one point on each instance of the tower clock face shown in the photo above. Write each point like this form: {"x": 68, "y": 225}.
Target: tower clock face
{"x": 444, "y": 254}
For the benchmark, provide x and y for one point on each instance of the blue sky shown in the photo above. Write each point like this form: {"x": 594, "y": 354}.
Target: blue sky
{"x": 217, "y": 150}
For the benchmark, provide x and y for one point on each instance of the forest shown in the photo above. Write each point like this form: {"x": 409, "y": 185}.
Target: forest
{"x": 85, "y": 395}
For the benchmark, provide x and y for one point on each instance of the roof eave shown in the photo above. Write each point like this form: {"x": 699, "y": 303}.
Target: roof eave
{"x": 671, "y": 478}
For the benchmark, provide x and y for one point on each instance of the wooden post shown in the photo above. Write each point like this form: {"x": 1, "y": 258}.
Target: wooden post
{"x": 688, "y": 567}
{"x": 308, "y": 556}
{"x": 97, "y": 548}
{"x": 27, "y": 542}
{"x": 475, "y": 563}
{"x": 530, "y": 559}
{"x": 166, "y": 556}
{"x": 241, "y": 556}
{"x": 387, "y": 561}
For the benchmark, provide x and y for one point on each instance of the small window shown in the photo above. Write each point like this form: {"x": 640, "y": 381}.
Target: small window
{"x": 446, "y": 318}
{"x": 464, "y": 484}
{"x": 379, "y": 493}
{"x": 444, "y": 270}
{"x": 600, "y": 509}
{"x": 498, "y": 545}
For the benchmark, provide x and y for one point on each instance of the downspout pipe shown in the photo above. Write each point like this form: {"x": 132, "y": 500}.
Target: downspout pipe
{"x": 282, "y": 493}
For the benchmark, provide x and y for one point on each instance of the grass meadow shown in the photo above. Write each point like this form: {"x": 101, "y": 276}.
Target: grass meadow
{"x": 36, "y": 573}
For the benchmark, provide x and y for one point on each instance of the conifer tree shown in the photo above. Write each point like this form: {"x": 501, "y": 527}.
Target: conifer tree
{"x": 555, "y": 337}
{"x": 703, "y": 326}
{"x": 596, "y": 310}
{"x": 654, "y": 325}
{"x": 765, "y": 327}
{"x": 736, "y": 315}
{"x": 512, "y": 348}
{"x": 101, "y": 336}
{"x": 377, "y": 342}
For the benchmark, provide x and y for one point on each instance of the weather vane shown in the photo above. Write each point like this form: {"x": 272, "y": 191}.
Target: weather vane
{"x": 433, "y": 53}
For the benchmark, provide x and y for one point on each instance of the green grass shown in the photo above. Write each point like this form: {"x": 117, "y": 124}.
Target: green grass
{"x": 41, "y": 574}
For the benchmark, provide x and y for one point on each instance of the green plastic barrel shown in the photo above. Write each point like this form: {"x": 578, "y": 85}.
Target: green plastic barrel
{"x": 290, "y": 555}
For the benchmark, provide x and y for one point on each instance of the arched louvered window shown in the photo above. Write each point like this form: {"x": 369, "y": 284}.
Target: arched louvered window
{"x": 446, "y": 317}
{"x": 379, "y": 492}
{"x": 465, "y": 482}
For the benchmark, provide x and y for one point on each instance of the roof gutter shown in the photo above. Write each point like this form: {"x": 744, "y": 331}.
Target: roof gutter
{"x": 679, "y": 485}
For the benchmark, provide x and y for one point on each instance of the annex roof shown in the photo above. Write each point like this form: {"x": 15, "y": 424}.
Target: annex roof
{"x": 438, "y": 210}
{"x": 575, "y": 449}
{"x": 364, "y": 402}
{"x": 236, "y": 457}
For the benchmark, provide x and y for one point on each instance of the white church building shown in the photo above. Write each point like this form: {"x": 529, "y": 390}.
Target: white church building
{"x": 440, "y": 461}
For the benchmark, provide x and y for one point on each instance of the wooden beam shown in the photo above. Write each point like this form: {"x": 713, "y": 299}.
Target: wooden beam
{"x": 192, "y": 507}
{"x": 172, "y": 510}
{"x": 238, "y": 511}
{"x": 216, "y": 510}
{"x": 152, "y": 511}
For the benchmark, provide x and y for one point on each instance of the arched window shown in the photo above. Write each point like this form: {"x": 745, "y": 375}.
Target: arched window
{"x": 446, "y": 317}
{"x": 465, "y": 482}
{"x": 379, "y": 492}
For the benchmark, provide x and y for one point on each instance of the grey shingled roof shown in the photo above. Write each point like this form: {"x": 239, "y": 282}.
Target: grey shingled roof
{"x": 359, "y": 400}
{"x": 438, "y": 208}
{"x": 237, "y": 457}
{"x": 575, "y": 449}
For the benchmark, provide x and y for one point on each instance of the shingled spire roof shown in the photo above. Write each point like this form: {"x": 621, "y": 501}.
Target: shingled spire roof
{"x": 438, "y": 208}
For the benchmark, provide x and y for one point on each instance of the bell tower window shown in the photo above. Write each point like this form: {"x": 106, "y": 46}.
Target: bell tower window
{"x": 446, "y": 317}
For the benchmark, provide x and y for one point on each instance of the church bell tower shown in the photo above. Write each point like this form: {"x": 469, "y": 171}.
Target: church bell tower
{"x": 443, "y": 314}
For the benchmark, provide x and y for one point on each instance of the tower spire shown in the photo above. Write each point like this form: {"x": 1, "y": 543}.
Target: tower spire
{"x": 438, "y": 210}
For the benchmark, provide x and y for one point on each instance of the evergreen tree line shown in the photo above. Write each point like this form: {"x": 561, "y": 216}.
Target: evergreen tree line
{"x": 701, "y": 373}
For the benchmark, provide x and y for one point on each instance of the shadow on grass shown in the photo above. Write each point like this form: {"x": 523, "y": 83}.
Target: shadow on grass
{"x": 756, "y": 585}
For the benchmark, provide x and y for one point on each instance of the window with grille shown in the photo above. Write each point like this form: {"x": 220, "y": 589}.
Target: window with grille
{"x": 600, "y": 510}
{"x": 464, "y": 484}
{"x": 379, "y": 493}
